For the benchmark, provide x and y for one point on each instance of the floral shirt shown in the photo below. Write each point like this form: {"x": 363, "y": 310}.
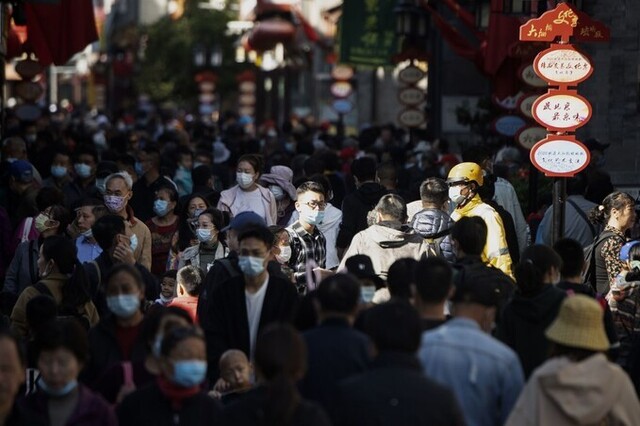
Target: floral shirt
{"x": 611, "y": 253}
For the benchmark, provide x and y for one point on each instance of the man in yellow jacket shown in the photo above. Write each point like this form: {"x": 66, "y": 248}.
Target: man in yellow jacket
{"x": 464, "y": 180}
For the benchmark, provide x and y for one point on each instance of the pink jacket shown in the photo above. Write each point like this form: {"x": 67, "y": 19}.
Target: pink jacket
{"x": 228, "y": 197}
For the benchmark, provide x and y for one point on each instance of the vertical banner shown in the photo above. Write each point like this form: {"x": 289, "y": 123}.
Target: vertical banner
{"x": 367, "y": 32}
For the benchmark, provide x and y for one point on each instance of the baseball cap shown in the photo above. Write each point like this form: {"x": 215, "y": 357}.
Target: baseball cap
{"x": 243, "y": 219}
{"x": 360, "y": 266}
{"x": 22, "y": 171}
{"x": 624, "y": 251}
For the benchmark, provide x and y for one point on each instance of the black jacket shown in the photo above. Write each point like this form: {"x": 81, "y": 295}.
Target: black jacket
{"x": 105, "y": 353}
{"x": 149, "y": 407}
{"x": 510, "y": 233}
{"x": 335, "y": 351}
{"x": 524, "y": 322}
{"x": 229, "y": 326}
{"x": 355, "y": 208}
{"x": 395, "y": 392}
{"x": 247, "y": 410}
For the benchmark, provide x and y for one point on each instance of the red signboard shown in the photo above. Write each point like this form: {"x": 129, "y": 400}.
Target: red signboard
{"x": 560, "y": 156}
{"x": 559, "y": 22}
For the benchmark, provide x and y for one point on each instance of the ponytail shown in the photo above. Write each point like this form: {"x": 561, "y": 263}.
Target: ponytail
{"x": 616, "y": 200}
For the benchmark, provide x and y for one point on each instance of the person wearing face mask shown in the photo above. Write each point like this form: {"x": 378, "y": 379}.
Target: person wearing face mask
{"x": 116, "y": 338}
{"x": 248, "y": 195}
{"x": 177, "y": 394}
{"x": 109, "y": 233}
{"x": 60, "y": 170}
{"x": 162, "y": 227}
{"x": 281, "y": 250}
{"x": 464, "y": 180}
{"x": 62, "y": 278}
{"x": 307, "y": 242}
{"x": 23, "y": 270}
{"x": 84, "y": 185}
{"x": 116, "y": 198}
{"x": 461, "y": 354}
{"x": 210, "y": 247}
{"x": 62, "y": 351}
{"x": 185, "y": 236}
{"x": 278, "y": 180}
{"x": 183, "y": 178}
{"x": 87, "y": 213}
{"x": 533, "y": 307}
{"x": 148, "y": 184}
{"x": 20, "y": 200}
{"x": 247, "y": 302}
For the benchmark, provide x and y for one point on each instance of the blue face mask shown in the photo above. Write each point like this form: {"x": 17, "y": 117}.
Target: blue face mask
{"x": 251, "y": 266}
{"x": 83, "y": 170}
{"x": 161, "y": 207}
{"x": 63, "y": 391}
{"x": 123, "y": 305}
{"x": 189, "y": 373}
{"x": 313, "y": 217}
{"x": 58, "y": 171}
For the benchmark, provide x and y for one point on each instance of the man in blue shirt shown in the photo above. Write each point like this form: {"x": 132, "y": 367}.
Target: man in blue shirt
{"x": 483, "y": 373}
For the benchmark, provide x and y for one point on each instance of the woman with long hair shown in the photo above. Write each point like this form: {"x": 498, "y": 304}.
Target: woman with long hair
{"x": 61, "y": 277}
{"x": 280, "y": 362}
{"x": 210, "y": 245}
{"x": 185, "y": 236}
{"x": 617, "y": 214}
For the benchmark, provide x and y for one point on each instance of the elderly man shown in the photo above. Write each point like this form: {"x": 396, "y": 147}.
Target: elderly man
{"x": 117, "y": 196}
{"x": 388, "y": 239}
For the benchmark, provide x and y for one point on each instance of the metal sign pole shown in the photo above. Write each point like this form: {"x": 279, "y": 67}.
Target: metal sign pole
{"x": 559, "y": 206}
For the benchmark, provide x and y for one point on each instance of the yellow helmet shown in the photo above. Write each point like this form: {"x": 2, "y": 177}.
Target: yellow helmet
{"x": 466, "y": 172}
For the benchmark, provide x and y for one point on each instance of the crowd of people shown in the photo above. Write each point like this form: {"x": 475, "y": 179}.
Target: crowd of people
{"x": 160, "y": 271}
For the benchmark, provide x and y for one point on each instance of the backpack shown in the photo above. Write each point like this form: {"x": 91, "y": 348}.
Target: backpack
{"x": 63, "y": 312}
{"x": 589, "y": 276}
{"x": 433, "y": 244}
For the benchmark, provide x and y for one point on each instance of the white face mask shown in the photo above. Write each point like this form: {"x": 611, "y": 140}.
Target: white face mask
{"x": 285, "y": 254}
{"x": 245, "y": 180}
{"x": 455, "y": 196}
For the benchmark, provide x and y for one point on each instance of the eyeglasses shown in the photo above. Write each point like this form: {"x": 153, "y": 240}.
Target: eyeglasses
{"x": 319, "y": 205}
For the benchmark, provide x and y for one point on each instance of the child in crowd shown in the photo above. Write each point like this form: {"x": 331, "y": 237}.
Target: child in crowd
{"x": 167, "y": 288}
{"x": 236, "y": 372}
{"x": 189, "y": 282}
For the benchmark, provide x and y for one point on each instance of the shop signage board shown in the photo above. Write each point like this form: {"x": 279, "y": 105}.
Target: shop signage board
{"x": 562, "y": 110}
{"x": 560, "y": 156}
{"x": 411, "y": 117}
{"x": 562, "y": 65}
{"x": 528, "y": 136}
{"x": 411, "y": 74}
{"x": 411, "y": 96}
{"x": 508, "y": 125}
{"x": 525, "y": 103}
{"x": 528, "y": 75}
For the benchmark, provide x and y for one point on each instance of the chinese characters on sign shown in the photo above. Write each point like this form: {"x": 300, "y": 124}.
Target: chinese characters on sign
{"x": 560, "y": 156}
{"x": 367, "y": 32}
{"x": 562, "y": 110}
{"x": 562, "y": 65}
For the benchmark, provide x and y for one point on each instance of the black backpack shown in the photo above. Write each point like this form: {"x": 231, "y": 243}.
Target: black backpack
{"x": 589, "y": 276}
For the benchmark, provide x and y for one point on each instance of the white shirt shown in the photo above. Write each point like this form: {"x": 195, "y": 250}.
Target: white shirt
{"x": 254, "y": 303}
{"x": 249, "y": 202}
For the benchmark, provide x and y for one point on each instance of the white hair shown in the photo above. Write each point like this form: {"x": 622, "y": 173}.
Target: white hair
{"x": 122, "y": 175}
